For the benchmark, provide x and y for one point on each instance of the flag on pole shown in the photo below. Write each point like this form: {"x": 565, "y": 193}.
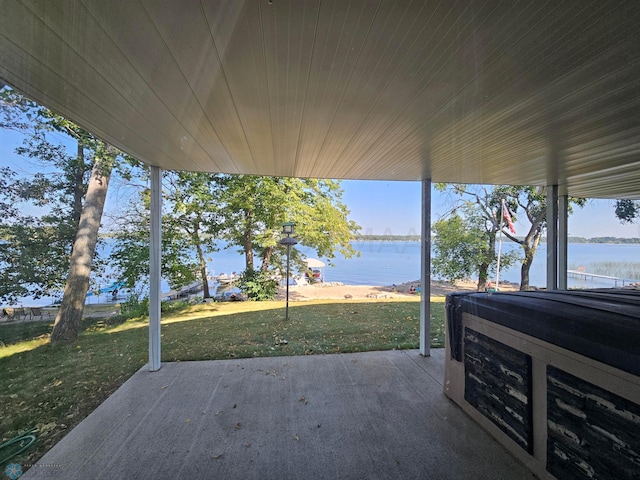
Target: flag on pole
{"x": 507, "y": 217}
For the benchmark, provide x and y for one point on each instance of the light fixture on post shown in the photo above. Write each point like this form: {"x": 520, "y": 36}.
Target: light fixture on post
{"x": 288, "y": 229}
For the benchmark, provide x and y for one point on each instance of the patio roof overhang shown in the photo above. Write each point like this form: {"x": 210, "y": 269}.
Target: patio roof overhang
{"x": 538, "y": 92}
{"x": 535, "y": 92}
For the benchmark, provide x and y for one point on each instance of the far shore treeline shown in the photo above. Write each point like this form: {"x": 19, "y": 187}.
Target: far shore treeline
{"x": 416, "y": 238}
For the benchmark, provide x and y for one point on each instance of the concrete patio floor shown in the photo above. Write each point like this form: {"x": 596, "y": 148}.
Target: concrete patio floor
{"x": 375, "y": 415}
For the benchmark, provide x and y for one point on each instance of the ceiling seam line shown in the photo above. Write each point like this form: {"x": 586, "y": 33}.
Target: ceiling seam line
{"x": 392, "y": 77}
{"x": 306, "y": 90}
{"x": 140, "y": 76}
{"x": 348, "y": 81}
{"x": 228, "y": 85}
{"x": 79, "y": 56}
{"x": 177, "y": 65}
{"x": 404, "y": 113}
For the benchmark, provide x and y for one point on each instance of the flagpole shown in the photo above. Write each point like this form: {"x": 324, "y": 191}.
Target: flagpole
{"x": 499, "y": 246}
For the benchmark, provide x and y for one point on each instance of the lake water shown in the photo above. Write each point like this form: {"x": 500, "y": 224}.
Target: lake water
{"x": 387, "y": 263}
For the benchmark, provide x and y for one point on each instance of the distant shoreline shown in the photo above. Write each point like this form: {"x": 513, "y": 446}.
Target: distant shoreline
{"x": 417, "y": 238}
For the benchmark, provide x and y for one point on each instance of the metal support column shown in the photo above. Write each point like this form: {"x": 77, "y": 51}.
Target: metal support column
{"x": 552, "y": 237}
{"x": 425, "y": 271}
{"x": 154, "y": 269}
{"x": 563, "y": 237}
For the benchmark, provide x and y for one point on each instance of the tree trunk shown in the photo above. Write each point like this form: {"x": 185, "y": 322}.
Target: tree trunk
{"x": 529, "y": 252}
{"x": 248, "y": 251}
{"x": 483, "y": 277}
{"x": 248, "y": 242}
{"x": 203, "y": 267}
{"x": 524, "y": 270}
{"x": 483, "y": 268}
{"x": 78, "y": 187}
{"x": 529, "y": 245}
{"x": 69, "y": 317}
{"x": 266, "y": 259}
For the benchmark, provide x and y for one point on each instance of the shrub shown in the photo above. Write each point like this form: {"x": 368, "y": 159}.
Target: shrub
{"x": 135, "y": 306}
{"x": 175, "y": 305}
{"x": 258, "y": 285}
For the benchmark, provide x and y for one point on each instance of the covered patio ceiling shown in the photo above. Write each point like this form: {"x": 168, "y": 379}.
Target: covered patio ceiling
{"x": 530, "y": 92}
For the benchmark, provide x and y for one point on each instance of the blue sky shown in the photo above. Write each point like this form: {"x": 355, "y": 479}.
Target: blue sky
{"x": 386, "y": 207}
{"x": 393, "y": 208}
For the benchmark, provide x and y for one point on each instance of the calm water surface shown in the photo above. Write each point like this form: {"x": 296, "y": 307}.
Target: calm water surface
{"x": 387, "y": 263}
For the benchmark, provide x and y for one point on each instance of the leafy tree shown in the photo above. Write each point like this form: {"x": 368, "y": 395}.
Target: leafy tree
{"x": 533, "y": 202}
{"x": 67, "y": 324}
{"x": 530, "y": 200}
{"x": 245, "y": 211}
{"x": 8, "y": 208}
{"x": 39, "y": 262}
{"x": 41, "y": 253}
{"x": 195, "y": 214}
{"x": 255, "y": 208}
{"x": 465, "y": 242}
{"x": 455, "y": 247}
{"x": 258, "y": 285}
{"x": 190, "y": 223}
{"x": 627, "y": 210}
{"x": 130, "y": 254}
{"x": 24, "y": 259}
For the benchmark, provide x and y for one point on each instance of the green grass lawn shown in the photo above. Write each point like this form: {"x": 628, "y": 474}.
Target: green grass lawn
{"x": 54, "y": 389}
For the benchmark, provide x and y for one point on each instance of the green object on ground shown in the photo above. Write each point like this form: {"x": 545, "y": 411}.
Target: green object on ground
{"x": 19, "y": 440}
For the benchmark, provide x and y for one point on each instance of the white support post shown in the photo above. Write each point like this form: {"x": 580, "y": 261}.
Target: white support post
{"x": 425, "y": 271}
{"x": 154, "y": 269}
{"x": 563, "y": 238}
{"x": 552, "y": 237}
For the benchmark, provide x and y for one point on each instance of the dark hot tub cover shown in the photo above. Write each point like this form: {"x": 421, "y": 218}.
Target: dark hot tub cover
{"x": 602, "y": 324}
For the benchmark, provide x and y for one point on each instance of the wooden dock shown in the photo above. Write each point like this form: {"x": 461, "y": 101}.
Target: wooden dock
{"x": 594, "y": 276}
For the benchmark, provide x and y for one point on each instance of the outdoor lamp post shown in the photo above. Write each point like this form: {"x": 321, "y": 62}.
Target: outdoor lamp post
{"x": 287, "y": 228}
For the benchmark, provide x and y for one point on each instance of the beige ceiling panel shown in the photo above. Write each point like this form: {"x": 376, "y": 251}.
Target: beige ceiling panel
{"x": 530, "y": 92}
{"x": 624, "y": 177}
{"x": 289, "y": 36}
{"x": 340, "y": 33}
{"x": 408, "y": 89}
{"x": 153, "y": 69}
{"x": 243, "y": 67}
{"x": 198, "y": 55}
{"x": 439, "y": 57}
{"x": 58, "y": 76}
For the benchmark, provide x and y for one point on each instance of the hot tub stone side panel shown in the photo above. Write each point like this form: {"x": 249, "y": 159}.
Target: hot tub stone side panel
{"x": 498, "y": 385}
{"x": 591, "y": 432}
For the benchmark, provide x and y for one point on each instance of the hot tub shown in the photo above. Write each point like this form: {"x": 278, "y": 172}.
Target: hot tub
{"x": 554, "y": 376}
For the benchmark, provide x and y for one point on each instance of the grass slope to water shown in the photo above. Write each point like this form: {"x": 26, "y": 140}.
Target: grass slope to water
{"x": 54, "y": 389}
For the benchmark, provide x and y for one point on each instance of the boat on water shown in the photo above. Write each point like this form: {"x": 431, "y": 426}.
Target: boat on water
{"x": 112, "y": 293}
{"x": 224, "y": 279}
